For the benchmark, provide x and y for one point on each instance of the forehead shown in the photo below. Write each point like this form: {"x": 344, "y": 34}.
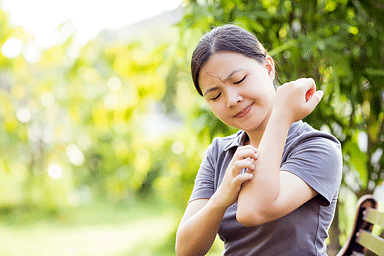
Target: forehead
{"x": 222, "y": 64}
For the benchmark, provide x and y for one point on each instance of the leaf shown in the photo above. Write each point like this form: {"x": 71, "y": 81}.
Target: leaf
{"x": 284, "y": 47}
{"x": 250, "y": 23}
{"x": 358, "y": 160}
{"x": 374, "y": 72}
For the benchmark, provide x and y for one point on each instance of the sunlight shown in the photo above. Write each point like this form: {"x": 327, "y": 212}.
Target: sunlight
{"x": 75, "y": 155}
{"x": 12, "y": 47}
{"x": 114, "y": 83}
{"x": 47, "y": 99}
{"x": 55, "y": 171}
{"x": 178, "y": 147}
{"x": 24, "y": 115}
{"x": 100, "y": 16}
{"x": 111, "y": 101}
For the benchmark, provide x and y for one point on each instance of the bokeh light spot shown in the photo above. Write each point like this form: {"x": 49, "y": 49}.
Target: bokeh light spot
{"x": 12, "y": 47}
{"x": 111, "y": 101}
{"x": 75, "y": 155}
{"x": 24, "y": 115}
{"x": 47, "y": 99}
{"x": 178, "y": 148}
{"x": 55, "y": 171}
{"x": 114, "y": 83}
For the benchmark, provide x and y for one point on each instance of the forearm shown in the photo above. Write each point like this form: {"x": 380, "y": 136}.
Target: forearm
{"x": 196, "y": 235}
{"x": 261, "y": 192}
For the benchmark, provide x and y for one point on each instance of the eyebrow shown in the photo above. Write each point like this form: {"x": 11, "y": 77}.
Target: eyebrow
{"x": 233, "y": 72}
{"x": 216, "y": 87}
{"x": 210, "y": 89}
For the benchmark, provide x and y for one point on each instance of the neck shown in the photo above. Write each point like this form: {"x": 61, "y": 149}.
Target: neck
{"x": 254, "y": 136}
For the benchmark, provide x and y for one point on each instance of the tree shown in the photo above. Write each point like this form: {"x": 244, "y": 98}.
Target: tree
{"x": 338, "y": 43}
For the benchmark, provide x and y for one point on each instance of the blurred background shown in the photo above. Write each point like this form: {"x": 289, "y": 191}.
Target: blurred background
{"x": 102, "y": 132}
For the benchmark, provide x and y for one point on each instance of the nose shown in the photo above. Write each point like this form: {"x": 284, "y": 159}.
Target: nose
{"x": 233, "y": 98}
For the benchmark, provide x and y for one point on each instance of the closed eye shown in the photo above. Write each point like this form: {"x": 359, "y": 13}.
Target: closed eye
{"x": 215, "y": 98}
{"x": 240, "y": 80}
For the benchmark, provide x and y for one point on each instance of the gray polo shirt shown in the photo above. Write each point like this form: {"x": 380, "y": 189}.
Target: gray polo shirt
{"x": 312, "y": 155}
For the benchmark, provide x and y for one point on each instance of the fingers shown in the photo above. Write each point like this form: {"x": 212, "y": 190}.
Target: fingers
{"x": 247, "y": 151}
{"x": 240, "y": 165}
{"x": 314, "y": 100}
{"x": 243, "y": 159}
{"x": 241, "y": 178}
{"x": 312, "y": 97}
{"x": 297, "y": 99}
{"x": 308, "y": 83}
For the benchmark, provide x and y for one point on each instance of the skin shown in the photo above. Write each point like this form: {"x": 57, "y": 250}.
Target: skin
{"x": 240, "y": 92}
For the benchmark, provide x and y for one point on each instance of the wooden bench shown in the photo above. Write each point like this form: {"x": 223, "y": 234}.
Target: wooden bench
{"x": 361, "y": 239}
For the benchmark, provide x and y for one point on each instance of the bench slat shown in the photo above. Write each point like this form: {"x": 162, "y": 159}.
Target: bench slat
{"x": 372, "y": 242}
{"x": 374, "y": 216}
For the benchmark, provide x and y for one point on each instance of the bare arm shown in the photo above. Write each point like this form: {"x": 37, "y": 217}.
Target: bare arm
{"x": 198, "y": 227}
{"x": 202, "y": 218}
{"x": 272, "y": 194}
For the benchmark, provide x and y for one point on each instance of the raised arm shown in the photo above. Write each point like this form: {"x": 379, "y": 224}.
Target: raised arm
{"x": 272, "y": 193}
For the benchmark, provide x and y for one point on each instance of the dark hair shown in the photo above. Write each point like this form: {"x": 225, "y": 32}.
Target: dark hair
{"x": 230, "y": 38}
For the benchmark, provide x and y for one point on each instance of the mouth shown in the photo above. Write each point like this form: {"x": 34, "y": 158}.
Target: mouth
{"x": 244, "y": 111}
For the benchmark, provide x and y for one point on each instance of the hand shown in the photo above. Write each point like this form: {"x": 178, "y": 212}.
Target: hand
{"x": 229, "y": 189}
{"x": 295, "y": 100}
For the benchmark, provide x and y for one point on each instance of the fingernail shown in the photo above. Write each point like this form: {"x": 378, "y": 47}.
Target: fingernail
{"x": 253, "y": 167}
{"x": 251, "y": 175}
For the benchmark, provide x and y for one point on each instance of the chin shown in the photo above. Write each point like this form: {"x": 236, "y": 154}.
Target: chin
{"x": 248, "y": 128}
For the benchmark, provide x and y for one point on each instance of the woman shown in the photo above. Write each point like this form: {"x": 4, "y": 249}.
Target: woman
{"x": 271, "y": 188}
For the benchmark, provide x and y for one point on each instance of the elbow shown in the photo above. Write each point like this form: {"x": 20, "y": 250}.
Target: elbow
{"x": 250, "y": 219}
{"x": 255, "y": 216}
{"x": 250, "y": 213}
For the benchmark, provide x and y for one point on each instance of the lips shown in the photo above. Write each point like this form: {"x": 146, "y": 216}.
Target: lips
{"x": 243, "y": 112}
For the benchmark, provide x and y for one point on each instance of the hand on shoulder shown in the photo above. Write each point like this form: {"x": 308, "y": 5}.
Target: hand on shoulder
{"x": 297, "y": 99}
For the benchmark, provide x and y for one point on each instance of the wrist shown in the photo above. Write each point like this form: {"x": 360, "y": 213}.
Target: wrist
{"x": 283, "y": 118}
{"x": 217, "y": 202}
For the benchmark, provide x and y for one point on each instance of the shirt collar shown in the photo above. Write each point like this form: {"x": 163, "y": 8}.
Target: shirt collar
{"x": 238, "y": 140}
{"x": 241, "y": 136}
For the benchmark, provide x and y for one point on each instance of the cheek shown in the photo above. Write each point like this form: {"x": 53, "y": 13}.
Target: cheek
{"x": 270, "y": 94}
{"x": 217, "y": 110}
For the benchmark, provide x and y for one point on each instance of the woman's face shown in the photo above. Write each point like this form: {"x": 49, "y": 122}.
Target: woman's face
{"x": 239, "y": 90}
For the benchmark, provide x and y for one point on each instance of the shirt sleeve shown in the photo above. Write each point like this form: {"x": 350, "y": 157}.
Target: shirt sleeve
{"x": 317, "y": 159}
{"x": 204, "y": 181}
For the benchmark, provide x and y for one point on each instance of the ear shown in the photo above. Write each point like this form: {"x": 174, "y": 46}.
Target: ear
{"x": 270, "y": 65}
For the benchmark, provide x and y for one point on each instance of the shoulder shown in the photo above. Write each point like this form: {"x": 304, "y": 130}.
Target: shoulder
{"x": 306, "y": 135}
{"x": 315, "y": 156}
{"x": 315, "y": 149}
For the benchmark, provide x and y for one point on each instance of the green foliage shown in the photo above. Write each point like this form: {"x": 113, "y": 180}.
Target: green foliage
{"x": 338, "y": 43}
{"x": 335, "y": 42}
{"x": 84, "y": 123}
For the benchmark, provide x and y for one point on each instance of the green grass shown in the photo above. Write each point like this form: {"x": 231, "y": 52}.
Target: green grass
{"x": 136, "y": 229}
{"x": 100, "y": 229}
